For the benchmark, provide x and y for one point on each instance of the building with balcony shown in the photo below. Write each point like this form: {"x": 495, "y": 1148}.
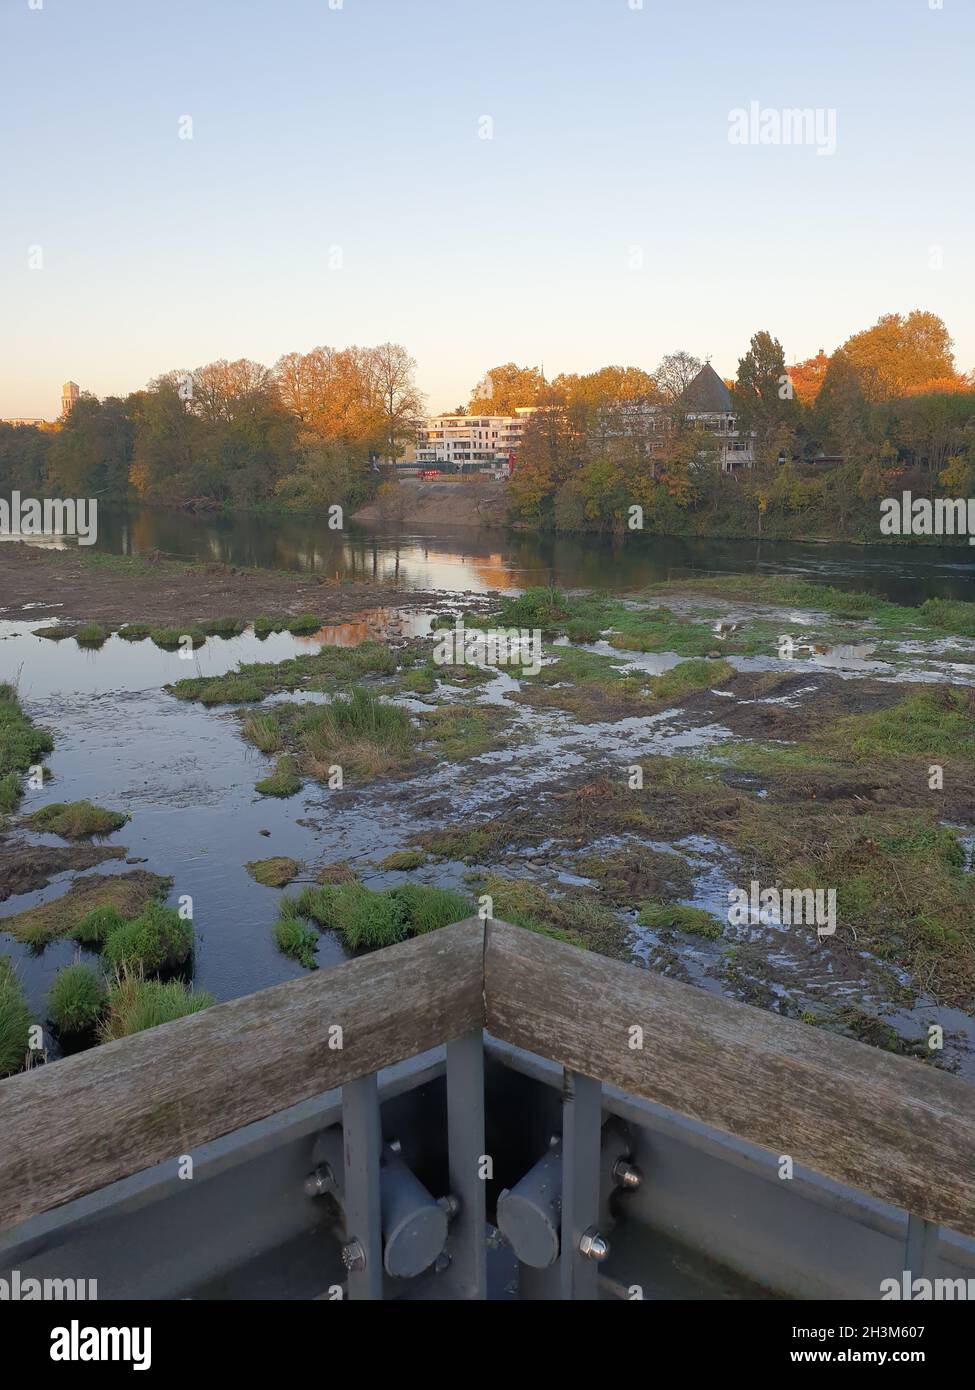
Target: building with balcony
{"x": 468, "y": 443}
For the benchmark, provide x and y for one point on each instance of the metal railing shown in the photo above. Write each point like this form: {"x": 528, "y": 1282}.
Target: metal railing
{"x": 889, "y": 1127}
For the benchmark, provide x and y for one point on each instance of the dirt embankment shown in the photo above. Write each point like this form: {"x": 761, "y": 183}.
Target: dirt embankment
{"x": 110, "y": 589}
{"x": 474, "y": 501}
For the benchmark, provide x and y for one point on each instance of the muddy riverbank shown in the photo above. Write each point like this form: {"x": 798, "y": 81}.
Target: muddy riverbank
{"x": 75, "y": 585}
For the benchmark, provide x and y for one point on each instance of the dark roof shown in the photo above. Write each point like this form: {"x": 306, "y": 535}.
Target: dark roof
{"x": 707, "y": 394}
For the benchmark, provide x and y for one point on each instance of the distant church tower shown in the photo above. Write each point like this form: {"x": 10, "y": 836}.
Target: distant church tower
{"x": 70, "y": 392}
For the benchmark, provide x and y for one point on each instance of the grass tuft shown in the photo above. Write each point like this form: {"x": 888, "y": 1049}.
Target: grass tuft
{"x": 274, "y": 873}
{"x": 76, "y": 999}
{"x": 76, "y": 820}
{"x": 136, "y": 1004}
{"x": 674, "y": 917}
{"x": 15, "y": 1020}
{"x": 283, "y": 781}
{"x": 156, "y": 941}
{"x": 95, "y": 926}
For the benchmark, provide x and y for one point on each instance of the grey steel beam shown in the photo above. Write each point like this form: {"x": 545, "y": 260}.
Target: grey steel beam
{"x": 362, "y": 1142}
{"x": 465, "y": 1141}
{"x": 581, "y": 1125}
{"x": 921, "y": 1247}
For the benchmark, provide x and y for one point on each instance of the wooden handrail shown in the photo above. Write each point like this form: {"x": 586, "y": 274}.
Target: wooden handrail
{"x": 893, "y": 1128}
{"x": 84, "y": 1121}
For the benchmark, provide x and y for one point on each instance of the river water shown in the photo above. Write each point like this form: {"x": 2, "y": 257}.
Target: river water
{"x": 478, "y": 560}
{"x": 186, "y": 777}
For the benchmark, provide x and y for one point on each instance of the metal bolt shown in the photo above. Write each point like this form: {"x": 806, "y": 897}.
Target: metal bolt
{"x": 353, "y": 1256}
{"x": 592, "y": 1245}
{"x": 320, "y": 1182}
{"x": 396, "y": 1146}
{"x": 627, "y": 1174}
{"x": 449, "y": 1204}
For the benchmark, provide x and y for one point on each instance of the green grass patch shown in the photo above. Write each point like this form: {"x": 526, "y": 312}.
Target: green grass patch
{"x": 56, "y": 632}
{"x": 76, "y": 999}
{"x": 674, "y": 917}
{"x": 274, "y": 873}
{"x": 91, "y": 635}
{"x": 937, "y": 722}
{"x": 15, "y": 1020}
{"x": 93, "y": 929}
{"x": 307, "y": 622}
{"x": 295, "y": 937}
{"x": 127, "y": 893}
{"x": 134, "y": 632}
{"x": 76, "y": 820}
{"x": 328, "y": 669}
{"x": 358, "y": 732}
{"x": 263, "y": 730}
{"x": 156, "y": 941}
{"x": 367, "y": 919}
{"x": 578, "y": 918}
{"x": 364, "y": 918}
{"x": 405, "y": 859}
{"x": 544, "y": 607}
{"x": 21, "y": 747}
{"x": 222, "y": 627}
{"x": 472, "y": 844}
{"x": 136, "y": 1004}
{"x": 428, "y": 909}
{"x": 171, "y": 638}
{"x": 464, "y": 731}
{"x": 688, "y": 676}
{"x": 284, "y": 781}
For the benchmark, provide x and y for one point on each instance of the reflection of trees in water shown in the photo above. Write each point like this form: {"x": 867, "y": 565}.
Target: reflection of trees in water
{"x": 517, "y": 559}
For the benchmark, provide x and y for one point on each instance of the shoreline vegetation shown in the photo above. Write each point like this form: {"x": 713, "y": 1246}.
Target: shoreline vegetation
{"x": 779, "y": 451}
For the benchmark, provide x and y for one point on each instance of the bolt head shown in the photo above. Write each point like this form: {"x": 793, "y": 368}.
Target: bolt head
{"x": 450, "y": 1205}
{"x": 592, "y": 1245}
{"x": 353, "y": 1256}
{"x": 627, "y": 1174}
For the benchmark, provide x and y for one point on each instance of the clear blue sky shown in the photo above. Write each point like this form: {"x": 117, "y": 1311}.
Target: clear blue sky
{"x": 358, "y": 127}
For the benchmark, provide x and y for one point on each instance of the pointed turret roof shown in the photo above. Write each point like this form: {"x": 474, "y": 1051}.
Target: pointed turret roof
{"x": 707, "y": 394}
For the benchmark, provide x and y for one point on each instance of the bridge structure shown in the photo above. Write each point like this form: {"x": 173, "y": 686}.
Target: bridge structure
{"x": 486, "y": 1112}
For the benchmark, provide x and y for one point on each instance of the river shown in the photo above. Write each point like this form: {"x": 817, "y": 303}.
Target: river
{"x": 187, "y": 778}
{"x": 477, "y": 560}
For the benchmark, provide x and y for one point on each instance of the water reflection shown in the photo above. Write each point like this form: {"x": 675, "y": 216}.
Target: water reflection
{"x": 481, "y": 560}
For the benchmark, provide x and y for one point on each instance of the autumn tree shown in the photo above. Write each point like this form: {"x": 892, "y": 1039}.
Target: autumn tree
{"x": 899, "y": 353}
{"x": 762, "y": 397}
{"x": 503, "y": 389}
{"x": 672, "y": 378}
{"x": 400, "y": 403}
{"x": 807, "y": 377}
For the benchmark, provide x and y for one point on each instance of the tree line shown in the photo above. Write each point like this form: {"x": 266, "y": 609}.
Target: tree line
{"x": 310, "y": 431}
{"x": 830, "y": 437}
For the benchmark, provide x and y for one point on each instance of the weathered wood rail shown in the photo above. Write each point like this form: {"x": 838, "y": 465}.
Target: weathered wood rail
{"x": 893, "y": 1128}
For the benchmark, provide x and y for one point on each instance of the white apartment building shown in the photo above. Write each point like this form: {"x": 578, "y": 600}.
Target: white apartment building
{"x": 471, "y": 441}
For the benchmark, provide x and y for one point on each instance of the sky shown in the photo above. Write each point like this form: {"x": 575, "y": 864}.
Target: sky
{"x": 545, "y": 181}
